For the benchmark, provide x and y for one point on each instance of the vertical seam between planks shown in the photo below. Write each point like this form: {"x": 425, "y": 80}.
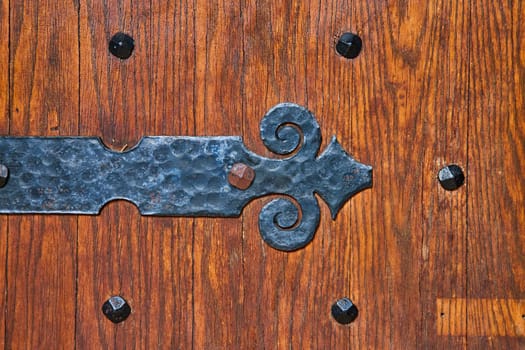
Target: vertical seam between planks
{"x": 469, "y": 108}
{"x": 243, "y": 125}
{"x": 193, "y": 221}
{"x": 78, "y": 133}
{"x": 351, "y": 260}
{"x": 79, "y": 70}
{"x": 426, "y": 231}
{"x": 9, "y": 116}
{"x": 9, "y": 92}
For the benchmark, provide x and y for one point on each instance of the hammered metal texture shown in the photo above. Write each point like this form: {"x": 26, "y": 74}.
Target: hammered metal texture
{"x": 188, "y": 176}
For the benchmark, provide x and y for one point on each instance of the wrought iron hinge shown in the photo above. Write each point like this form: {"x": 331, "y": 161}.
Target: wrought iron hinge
{"x": 189, "y": 176}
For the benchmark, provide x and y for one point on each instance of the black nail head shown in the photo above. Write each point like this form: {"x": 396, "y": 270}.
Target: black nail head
{"x": 116, "y": 309}
{"x": 121, "y": 45}
{"x": 344, "y": 311}
{"x": 451, "y": 177}
{"x": 349, "y": 45}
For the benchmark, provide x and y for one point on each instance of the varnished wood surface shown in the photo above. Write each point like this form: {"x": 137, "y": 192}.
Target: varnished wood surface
{"x": 485, "y": 318}
{"x": 4, "y": 129}
{"x": 437, "y": 82}
{"x": 496, "y": 159}
{"x": 41, "y": 264}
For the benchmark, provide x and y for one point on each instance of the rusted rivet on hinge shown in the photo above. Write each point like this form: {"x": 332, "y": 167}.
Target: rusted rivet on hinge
{"x": 4, "y": 174}
{"x": 241, "y": 176}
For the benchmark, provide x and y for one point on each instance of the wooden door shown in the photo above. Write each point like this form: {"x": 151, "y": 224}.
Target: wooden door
{"x": 437, "y": 82}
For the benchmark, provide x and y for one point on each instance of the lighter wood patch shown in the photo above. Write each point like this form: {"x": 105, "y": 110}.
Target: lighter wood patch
{"x": 485, "y": 317}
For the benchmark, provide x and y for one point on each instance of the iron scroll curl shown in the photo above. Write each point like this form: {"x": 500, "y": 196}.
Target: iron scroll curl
{"x": 285, "y": 224}
{"x": 290, "y": 222}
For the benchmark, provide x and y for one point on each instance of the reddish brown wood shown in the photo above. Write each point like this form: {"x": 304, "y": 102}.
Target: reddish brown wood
{"x": 4, "y": 129}
{"x": 485, "y": 318}
{"x": 289, "y": 53}
{"x": 43, "y": 91}
{"x": 496, "y": 141}
{"x": 218, "y": 320}
{"x": 422, "y": 111}
{"x": 436, "y": 83}
{"x": 146, "y": 260}
{"x": 375, "y": 95}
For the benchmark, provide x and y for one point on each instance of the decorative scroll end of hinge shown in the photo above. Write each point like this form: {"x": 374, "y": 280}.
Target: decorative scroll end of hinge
{"x": 290, "y": 223}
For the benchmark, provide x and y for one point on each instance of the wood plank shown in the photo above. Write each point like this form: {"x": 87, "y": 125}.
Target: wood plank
{"x": 363, "y": 101}
{"x": 496, "y": 186}
{"x": 218, "y": 265}
{"x": 443, "y": 107}
{"x": 289, "y": 56}
{"x": 41, "y": 266}
{"x": 4, "y": 130}
{"x": 485, "y": 317}
{"x": 407, "y": 96}
{"x": 147, "y": 260}
{"x": 4, "y": 67}
{"x": 3, "y": 278}
{"x": 214, "y": 68}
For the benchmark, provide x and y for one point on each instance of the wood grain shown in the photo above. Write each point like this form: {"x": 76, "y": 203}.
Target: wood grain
{"x": 148, "y": 261}
{"x": 4, "y": 130}
{"x": 385, "y": 248}
{"x": 436, "y": 83}
{"x": 218, "y": 266}
{"x": 441, "y": 109}
{"x": 41, "y": 265}
{"x": 289, "y": 56}
{"x": 408, "y": 93}
{"x": 484, "y": 317}
{"x": 496, "y": 141}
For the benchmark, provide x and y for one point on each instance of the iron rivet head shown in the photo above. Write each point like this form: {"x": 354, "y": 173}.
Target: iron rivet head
{"x": 344, "y": 311}
{"x": 121, "y": 45}
{"x": 241, "y": 176}
{"x": 349, "y": 45}
{"x": 451, "y": 177}
{"x": 4, "y": 174}
{"x": 116, "y": 309}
